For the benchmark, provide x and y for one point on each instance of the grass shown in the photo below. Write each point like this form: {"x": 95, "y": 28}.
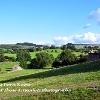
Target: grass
{"x": 6, "y": 66}
{"x": 78, "y": 53}
{"x": 80, "y": 68}
{"x": 53, "y": 52}
{"x": 78, "y": 78}
{"x": 71, "y": 81}
{"x": 83, "y": 80}
{"x": 79, "y": 94}
{"x": 50, "y": 51}
{"x": 23, "y": 72}
{"x": 10, "y": 55}
{"x": 33, "y": 54}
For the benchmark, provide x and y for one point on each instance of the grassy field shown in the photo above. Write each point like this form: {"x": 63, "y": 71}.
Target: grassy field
{"x": 10, "y": 55}
{"x": 79, "y": 94}
{"x": 54, "y": 52}
{"x": 50, "y": 51}
{"x": 79, "y": 78}
{"x": 6, "y": 66}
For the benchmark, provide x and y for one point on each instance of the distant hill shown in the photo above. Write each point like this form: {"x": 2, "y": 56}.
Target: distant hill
{"x": 28, "y": 45}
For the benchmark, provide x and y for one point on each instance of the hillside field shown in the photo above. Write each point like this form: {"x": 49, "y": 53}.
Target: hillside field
{"x": 83, "y": 80}
{"x": 54, "y": 52}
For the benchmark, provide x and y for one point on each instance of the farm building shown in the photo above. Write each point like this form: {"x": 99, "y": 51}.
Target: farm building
{"x": 93, "y": 56}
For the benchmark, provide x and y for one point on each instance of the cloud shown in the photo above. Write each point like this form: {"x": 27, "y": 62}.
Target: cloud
{"x": 61, "y": 40}
{"x": 87, "y": 38}
{"x": 86, "y": 26}
{"x": 49, "y": 43}
{"x": 95, "y": 14}
{"x": 82, "y": 38}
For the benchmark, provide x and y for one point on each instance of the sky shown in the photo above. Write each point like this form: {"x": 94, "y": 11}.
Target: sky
{"x": 49, "y": 21}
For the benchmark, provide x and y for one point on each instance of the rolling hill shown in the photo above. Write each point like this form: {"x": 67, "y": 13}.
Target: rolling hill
{"x": 83, "y": 80}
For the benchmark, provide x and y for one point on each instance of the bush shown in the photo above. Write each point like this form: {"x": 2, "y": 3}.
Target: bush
{"x": 10, "y": 58}
{"x": 51, "y": 50}
{"x": 56, "y": 64}
{"x": 39, "y": 49}
{"x": 65, "y": 58}
{"x": 52, "y": 47}
{"x": 23, "y": 56}
{"x": 71, "y": 46}
{"x": 56, "y": 51}
{"x": 82, "y": 58}
{"x": 34, "y": 64}
{"x": 2, "y": 58}
{"x": 42, "y": 60}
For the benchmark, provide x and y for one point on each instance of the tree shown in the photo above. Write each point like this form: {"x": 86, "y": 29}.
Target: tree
{"x": 42, "y": 60}
{"x": 56, "y": 64}
{"x": 52, "y": 47}
{"x": 2, "y": 58}
{"x": 82, "y": 58}
{"x": 7, "y": 58}
{"x": 56, "y": 51}
{"x": 1, "y": 51}
{"x": 31, "y": 49}
{"x": 96, "y": 47}
{"x": 39, "y": 49}
{"x": 71, "y": 46}
{"x": 66, "y": 58}
{"x": 23, "y": 56}
{"x": 46, "y": 47}
{"x": 64, "y": 47}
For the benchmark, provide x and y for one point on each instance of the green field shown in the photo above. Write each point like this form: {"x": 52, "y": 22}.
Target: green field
{"x": 10, "y": 55}
{"x": 78, "y": 78}
{"x": 78, "y": 94}
{"x": 50, "y": 51}
{"x": 6, "y": 66}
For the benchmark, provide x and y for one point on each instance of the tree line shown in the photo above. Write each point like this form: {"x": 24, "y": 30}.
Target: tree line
{"x": 44, "y": 59}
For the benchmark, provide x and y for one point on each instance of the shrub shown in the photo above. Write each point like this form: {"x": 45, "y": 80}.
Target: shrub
{"x": 56, "y": 64}
{"x": 10, "y": 58}
{"x": 83, "y": 58}
{"x": 56, "y": 51}
{"x": 65, "y": 58}
{"x": 42, "y": 60}
{"x": 23, "y": 56}
{"x": 2, "y": 58}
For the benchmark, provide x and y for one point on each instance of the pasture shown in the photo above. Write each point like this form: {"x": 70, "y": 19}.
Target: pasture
{"x": 78, "y": 78}
{"x": 54, "y": 52}
{"x": 81, "y": 79}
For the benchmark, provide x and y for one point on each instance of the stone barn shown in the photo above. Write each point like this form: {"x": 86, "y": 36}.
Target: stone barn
{"x": 93, "y": 56}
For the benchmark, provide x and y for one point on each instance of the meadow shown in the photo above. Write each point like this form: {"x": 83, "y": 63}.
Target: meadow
{"x": 81, "y": 79}
{"x": 6, "y": 66}
{"x": 54, "y": 52}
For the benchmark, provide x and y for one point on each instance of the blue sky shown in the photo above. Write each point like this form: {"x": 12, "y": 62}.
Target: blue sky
{"x": 49, "y": 21}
